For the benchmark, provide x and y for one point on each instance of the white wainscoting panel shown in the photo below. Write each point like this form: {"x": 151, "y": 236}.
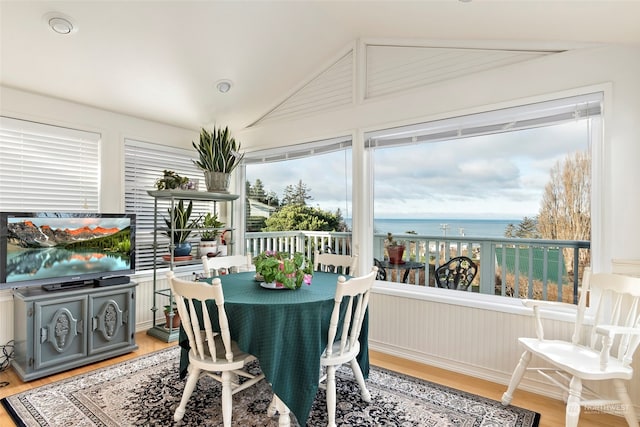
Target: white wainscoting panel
{"x": 478, "y": 342}
{"x": 6, "y": 316}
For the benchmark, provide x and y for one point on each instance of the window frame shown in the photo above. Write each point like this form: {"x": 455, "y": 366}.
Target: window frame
{"x": 599, "y": 93}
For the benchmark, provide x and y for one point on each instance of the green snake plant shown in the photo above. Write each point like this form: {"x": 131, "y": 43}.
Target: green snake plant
{"x": 218, "y": 151}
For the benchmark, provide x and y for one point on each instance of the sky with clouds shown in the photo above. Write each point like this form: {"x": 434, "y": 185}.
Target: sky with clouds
{"x": 499, "y": 176}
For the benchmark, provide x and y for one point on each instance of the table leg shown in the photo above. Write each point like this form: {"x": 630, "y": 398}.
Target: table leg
{"x": 276, "y": 405}
{"x": 406, "y": 275}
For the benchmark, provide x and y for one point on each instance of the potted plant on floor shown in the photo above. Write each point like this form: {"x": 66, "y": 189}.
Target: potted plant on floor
{"x": 395, "y": 249}
{"x": 172, "y": 321}
{"x": 218, "y": 155}
{"x": 181, "y": 228}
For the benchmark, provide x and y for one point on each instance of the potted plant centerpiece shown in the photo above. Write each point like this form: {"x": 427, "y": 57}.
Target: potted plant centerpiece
{"x": 395, "y": 249}
{"x": 181, "y": 228}
{"x": 210, "y": 225}
{"x": 284, "y": 270}
{"x": 218, "y": 155}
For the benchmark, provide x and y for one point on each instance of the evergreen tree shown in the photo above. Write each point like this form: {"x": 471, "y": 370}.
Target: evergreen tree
{"x": 296, "y": 195}
{"x": 510, "y": 231}
{"x": 256, "y": 191}
{"x": 528, "y": 229}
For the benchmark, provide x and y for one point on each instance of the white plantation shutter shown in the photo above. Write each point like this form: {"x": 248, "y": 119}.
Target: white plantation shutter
{"x": 144, "y": 163}
{"x": 44, "y": 167}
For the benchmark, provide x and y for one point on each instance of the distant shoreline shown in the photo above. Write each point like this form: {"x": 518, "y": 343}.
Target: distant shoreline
{"x": 452, "y": 227}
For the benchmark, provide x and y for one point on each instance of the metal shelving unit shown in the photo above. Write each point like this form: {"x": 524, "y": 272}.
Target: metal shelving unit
{"x": 160, "y": 329}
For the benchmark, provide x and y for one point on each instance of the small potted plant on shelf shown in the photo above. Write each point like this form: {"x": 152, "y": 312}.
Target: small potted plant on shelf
{"x": 218, "y": 155}
{"x": 284, "y": 270}
{"x": 395, "y": 249}
{"x": 181, "y": 228}
{"x": 172, "y": 321}
{"x": 171, "y": 180}
{"x": 210, "y": 225}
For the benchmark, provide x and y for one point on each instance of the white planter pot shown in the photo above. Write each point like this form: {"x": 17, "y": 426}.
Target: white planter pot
{"x": 208, "y": 247}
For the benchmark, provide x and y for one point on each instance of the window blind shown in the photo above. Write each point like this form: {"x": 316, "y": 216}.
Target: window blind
{"x": 496, "y": 121}
{"x": 45, "y": 167}
{"x": 297, "y": 151}
{"x": 144, "y": 164}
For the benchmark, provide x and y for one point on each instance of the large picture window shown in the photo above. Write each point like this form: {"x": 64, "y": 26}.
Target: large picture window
{"x": 467, "y": 182}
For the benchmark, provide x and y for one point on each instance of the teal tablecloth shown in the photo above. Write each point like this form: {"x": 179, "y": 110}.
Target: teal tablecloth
{"x": 286, "y": 330}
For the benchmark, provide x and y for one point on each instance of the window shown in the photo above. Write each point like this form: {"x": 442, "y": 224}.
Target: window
{"x": 323, "y": 167}
{"x": 44, "y": 167}
{"x": 472, "y": 176}
{"x": 144, "y": 164}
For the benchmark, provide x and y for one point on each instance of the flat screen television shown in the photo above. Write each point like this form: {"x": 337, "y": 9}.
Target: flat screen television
{"x": 57, "y": 250}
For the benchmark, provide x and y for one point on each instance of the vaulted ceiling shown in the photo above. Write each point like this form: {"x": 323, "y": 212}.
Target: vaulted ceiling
{"x": 160, "y": 60}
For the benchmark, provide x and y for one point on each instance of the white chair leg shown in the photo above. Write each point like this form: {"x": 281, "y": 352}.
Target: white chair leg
{"x": 573, "y": 403}
{"x": 227, "y": 398}
{"x": 516, "y": 377}
{"x": 357, "y": 373}
{"x": 331, "y": 396}
{"x": 271, "y": 410}
{"x": 627, "y": 405}
{"x": 190, "y": 385}
{"x": 277, "y": 405}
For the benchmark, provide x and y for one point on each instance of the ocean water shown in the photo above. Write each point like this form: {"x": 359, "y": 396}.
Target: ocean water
{"x": 438, "y": 227}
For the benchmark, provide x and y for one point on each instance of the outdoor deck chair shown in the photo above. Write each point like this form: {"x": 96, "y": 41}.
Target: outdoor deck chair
{"x": 457, "y": 273}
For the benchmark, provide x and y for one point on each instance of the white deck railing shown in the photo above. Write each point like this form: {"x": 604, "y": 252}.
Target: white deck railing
{"x": 526, "y": 268}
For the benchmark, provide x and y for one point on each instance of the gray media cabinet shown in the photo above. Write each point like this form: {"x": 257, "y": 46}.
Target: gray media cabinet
{"x": 64, "y": 329}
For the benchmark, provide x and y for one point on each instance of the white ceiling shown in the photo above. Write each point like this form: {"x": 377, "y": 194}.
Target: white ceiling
{"x": 160, "y": 60}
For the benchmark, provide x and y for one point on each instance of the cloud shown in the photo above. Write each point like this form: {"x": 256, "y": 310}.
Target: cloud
{"x": 496, "y": 176}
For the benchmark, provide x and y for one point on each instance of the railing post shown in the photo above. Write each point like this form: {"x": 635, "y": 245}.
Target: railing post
{"x": 487, "y": 267}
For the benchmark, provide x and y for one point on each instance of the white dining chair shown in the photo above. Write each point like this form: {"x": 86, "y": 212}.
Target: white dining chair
{"x": 215, "y": 266}
{"x": 335, "y": 263}
{"x": 599, "y": 350}
{"x": 211, "y": 353}
{"x": 344, "y": 348}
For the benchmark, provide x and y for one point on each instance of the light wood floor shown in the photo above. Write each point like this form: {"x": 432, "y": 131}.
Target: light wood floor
{"x": 552, "y": 410}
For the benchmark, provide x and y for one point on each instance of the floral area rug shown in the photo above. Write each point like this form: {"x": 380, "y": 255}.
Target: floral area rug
{"x": 145, "y": 392}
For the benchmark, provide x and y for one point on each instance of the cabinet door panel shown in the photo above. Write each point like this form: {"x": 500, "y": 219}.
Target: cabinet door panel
{"x": 61, "y": 335}
{"x": 110, "y": 321}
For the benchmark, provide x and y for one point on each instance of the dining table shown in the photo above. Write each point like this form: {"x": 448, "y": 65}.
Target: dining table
{"x": 285, "y": 329}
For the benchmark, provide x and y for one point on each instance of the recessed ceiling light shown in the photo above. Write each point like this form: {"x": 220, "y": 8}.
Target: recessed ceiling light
{"x": 223, "y": 86}
{"x": 60, "y": 23}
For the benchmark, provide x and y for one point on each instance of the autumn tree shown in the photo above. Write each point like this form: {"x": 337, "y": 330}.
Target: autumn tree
{"x": 565, "y": 211}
